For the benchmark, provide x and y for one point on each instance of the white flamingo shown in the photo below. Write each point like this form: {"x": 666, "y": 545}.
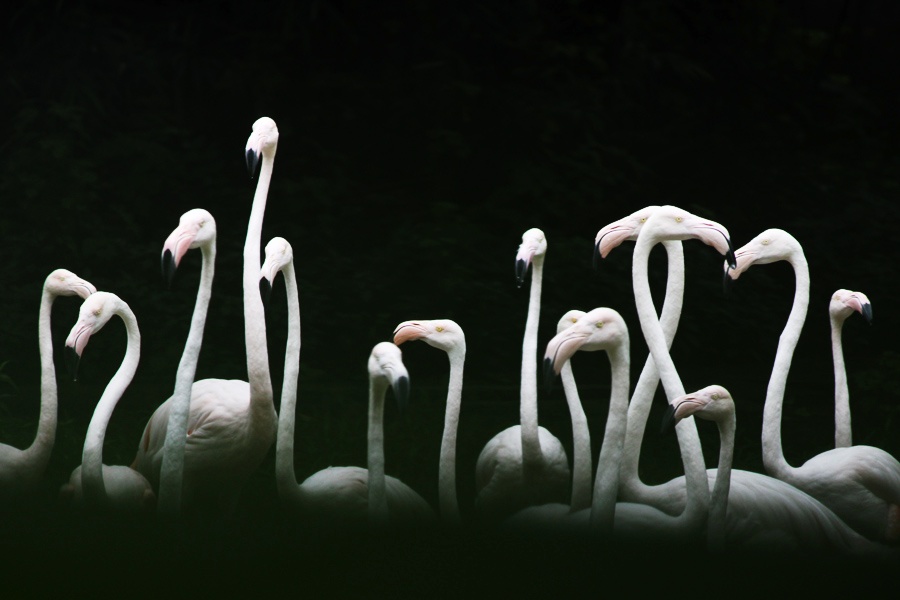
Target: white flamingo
{"x": 763, "y": 512}
{"x": 524, "y": 464}
{"x": 843, "y": 304}
{"x": 21, "y": 470}
{"x": 231, "y": 423}
{"x": 340, "y": 495}
{"x": 446, "y": 335}
{"x": 95, "y": 485}
{"x": 582, "y": 463}
{"x": 859, "y": 483}
{"x": 604, "y": 329}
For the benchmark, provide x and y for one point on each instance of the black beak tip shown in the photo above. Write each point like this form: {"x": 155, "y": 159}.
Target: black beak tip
{"x": 401, "y": 392}
{"x": 265, "y": 291}
{"x": 596, "y": 259}
{"x": 549, "y": 375}
{"x": 867, "y": 313}
{"x": 729, "y": 256}
{"x": 252, "y": 158}
{"x": 521, "y": 270}
{"x": 72, "y": 360}
{"x": 168, "y": 267}
{"x": 726, "y": 281}
{"x": 668, "y": 421}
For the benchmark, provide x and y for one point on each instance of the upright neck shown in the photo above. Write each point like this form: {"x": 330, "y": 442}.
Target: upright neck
{"x": 581, "y": 443}
{"x": 686, "y": 430}
{"x": 773, "y": 454}
{"x": 262, "y": 408}
{"x": 92, "y": 456}
{"x": 843, "y": 431}
{"x": 606, "y": 484}
{"x": 378, "y": 507}
{"x": 633, "y": 489}
{"x": 37, "y": 455}
{"x": 719, "y": 501}
{"x": 528, "y": 409}
{"x": 169, "y": 501}
{"x": 447, "y": 468}
{"x": 285, "y": 476}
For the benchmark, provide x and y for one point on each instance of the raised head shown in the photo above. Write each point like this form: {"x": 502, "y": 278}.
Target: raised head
{"x": 612, "y": 235}
{"x": 263, "y": 141}
{"x": 845, "y": 302}
{"x": 279, "y": 255}
{"x": 713, "y": 403}
{"x": 600, "y": 329}
{"x": 443, "y": 334}
{"x": 95, "y": 312}
{"x": 533, "y": 247}
{"x": 386, "y": 366}
{"x": 62, "y": 282}
{"x": 196, "y": 229}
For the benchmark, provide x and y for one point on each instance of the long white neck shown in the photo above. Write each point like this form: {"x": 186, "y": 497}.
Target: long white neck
{"x": 262, "y": 407}
{"x": 632, "y": 488}
{"x": 37, "y": 455}
{"x": 285, "y": 476}
{"x": 378, "y": 508}
{"x": 170, "y": 478}
{"x": 606, "y": 484}
{"x": 528, "y": 409}
{"x": 773, "y": 454}
{"x": 582, "y": 467}
{"x": 92, "y": 455}
{"x": 447, "y": 467}
{"x": 719, "y": 502}
{"x": 686, "y": 430}
{"x": 843, "y": 431}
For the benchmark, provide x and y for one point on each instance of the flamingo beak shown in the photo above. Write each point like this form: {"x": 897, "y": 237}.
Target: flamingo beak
{"x": 400, "y": 385}
{"x": 521, "y": 270}
{"x": 867, "y": 312}
{"x": 595, "y": 261}
{"x": 252, "y": 157}
{"x": 549, "y": 374}
{"x": 668, "y": 421}
{"x": 168, "y": 266}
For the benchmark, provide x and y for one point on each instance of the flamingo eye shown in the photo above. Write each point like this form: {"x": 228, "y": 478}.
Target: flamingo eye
{"x": 715, "y": 396}
{"x": 98, "y": 312}
{"x": 765, "y": 242}
{"x": 439, "y": 329}
{"x": 574, "y": 319}
{"x": 599, "y": 324}
{"x": 643, "y": 219}
{"x": 678, "y": 219}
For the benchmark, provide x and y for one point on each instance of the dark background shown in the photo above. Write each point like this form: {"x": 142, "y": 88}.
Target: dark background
{"x": 418, "y": 141}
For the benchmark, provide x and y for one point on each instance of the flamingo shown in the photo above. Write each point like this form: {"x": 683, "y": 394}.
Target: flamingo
{"x": 763, "y": 512}
{"x": 843, "y": 304}
{"x": 21, "y": 470}
{"x": 231, "y": 423}
{"x": 446, "y": 335}
{"x": 605, "y": 329}
{"x": 582, "y": 469}
{"x": 524, "y": 464}
{"x": 861, "y": 484}
{"x": 347, "y": 495}
{"x": 118, "y": 488}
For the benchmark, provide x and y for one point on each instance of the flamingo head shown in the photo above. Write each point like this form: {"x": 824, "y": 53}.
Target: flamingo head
{"x": 95, "y": 312}
{"x": 263, "y": 141}
{"x": 844, "y": 303}
{"x": 279, "y": 255}
{"x": 772, "y": 245}
{"x": 63, "y": 282}
{"x": 196, "y": 229}
{"x": 713, "y": 403}
{"x": 673, "y": 223}
{"x": 611, "y": 236}
{"x": 443, "y": 334}
{"x": 532, "y": 248}
{"x": 386, "y": 366}
{"x": 600, "y": 329}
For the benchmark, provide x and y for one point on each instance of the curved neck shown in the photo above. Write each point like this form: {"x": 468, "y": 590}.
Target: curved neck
{"x": 642, "y": 399}
{"x": 582, "y": 466}
{"x": 606, "y": 484}
{"x": 285, "y": 476}
{"x": 92, "y": 455}
{"x": 686, "y": 430}
{"x": 719, "y": 501}
{"x": 773, "y": 454}
{"x": 447, "y": 467}
{"x": 37, "y": 455}
{"x": 843, "y": 431}
{"x": 378, "y": 508}
{"x": 528, "y": 409}
{"x": 169, "y": 500}
{"x": 262, "y": 407}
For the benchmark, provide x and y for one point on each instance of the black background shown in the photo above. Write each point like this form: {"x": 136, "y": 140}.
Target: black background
{"x": 418, "y": 141}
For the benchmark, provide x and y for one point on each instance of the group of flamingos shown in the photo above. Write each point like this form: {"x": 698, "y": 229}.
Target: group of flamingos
{"x": 202, "y": 444}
